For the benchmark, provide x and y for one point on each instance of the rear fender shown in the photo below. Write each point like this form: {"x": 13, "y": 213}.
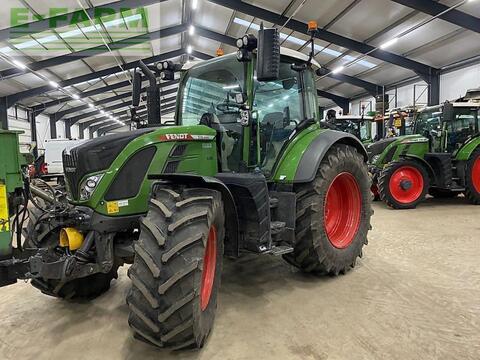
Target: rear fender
{"x": 231, "y": 216}
{"x": 318, "y": 148}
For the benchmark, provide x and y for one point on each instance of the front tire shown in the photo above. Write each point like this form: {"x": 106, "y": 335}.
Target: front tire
{"x": 333, "y": 214}
{"x": 472, "y": 189}
{"x": 403, "y": 184}
{"x": 177, "y": 268}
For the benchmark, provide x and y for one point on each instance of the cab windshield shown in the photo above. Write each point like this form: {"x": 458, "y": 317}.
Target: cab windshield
{"x": 357, "y": 128}
{"x": 213, "y": 88}
{"x": 428, "y": 120}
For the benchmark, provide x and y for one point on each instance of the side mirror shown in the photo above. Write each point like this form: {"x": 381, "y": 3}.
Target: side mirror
{"x": 137, "y": 88}
{"x": 268, "y": 54}
{"x": 448, "y": 111}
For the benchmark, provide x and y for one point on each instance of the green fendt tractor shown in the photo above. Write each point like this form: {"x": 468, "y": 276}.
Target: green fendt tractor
{"x": 245, "y": 169}
{"x": 442, "y": 158}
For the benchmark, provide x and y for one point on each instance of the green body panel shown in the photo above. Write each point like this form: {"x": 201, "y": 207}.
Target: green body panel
{"x": 11, "y": 179}
{"x": 464, "y": 153}
{"x": 200, "y": 158}
{"x": 413, "y": 145}
{"x": 287, "y": 165}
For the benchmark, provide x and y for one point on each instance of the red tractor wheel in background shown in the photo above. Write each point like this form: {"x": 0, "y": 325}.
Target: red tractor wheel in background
{"x": 472, "y": 188}
{"x": 403, "y": 184}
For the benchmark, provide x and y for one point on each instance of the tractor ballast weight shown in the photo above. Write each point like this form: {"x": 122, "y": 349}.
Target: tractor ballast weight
{"x": 247, "y": 168}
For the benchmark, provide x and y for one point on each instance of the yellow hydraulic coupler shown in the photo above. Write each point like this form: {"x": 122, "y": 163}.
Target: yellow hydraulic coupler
{"x": 71, "y": 238}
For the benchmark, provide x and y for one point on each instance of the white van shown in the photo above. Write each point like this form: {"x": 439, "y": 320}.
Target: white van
{"x": 53, "y": 155}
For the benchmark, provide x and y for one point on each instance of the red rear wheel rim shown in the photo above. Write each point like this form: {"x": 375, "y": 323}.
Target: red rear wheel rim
{"x": 476, "y": 174}
{"x": 209, "y": 266}
{"x": 406, "y": 184}
{"x": 342, "y": 214}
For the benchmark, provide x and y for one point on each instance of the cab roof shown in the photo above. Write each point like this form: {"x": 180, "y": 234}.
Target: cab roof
{"x": 283, "y": 51}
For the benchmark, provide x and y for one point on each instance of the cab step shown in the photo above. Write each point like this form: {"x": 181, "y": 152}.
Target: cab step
{"x": 279, "y": 250}
{"x": 276, "y": 227}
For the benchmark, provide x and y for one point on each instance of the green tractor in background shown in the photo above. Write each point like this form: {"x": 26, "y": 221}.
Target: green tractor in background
{"x": 246, "y": 168}
{"x": 442, "y": 158}
{"x": 359, "y": 126}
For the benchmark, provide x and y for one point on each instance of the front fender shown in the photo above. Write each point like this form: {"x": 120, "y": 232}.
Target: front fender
{"x": 302, "y": 158}
{"x": 231, "y": 216}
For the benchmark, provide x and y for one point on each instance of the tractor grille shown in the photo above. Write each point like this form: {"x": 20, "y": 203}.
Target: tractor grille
{"x": 178, "y": 150}
{"x": 70, "y": 163}
{"x": 171, "y": 167}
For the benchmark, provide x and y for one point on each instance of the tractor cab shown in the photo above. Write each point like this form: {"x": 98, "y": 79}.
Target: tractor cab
{"x": 358, "y": 125}
{"x": 449, "y": 126}
{"x": 253, "y": 117}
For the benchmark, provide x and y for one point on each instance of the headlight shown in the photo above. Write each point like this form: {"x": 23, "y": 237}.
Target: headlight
{"x": 88, "y": 186}
{"x": 375, "y": 158}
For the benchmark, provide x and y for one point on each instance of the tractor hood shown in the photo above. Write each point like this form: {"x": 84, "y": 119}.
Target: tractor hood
{"x": 378, "y": 147}
{"x": 100, "y": 154}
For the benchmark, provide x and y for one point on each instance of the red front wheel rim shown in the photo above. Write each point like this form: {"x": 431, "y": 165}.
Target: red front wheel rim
{"x": 406, "y": 184}
{"x": 209, "y": 267}
{"x": 342, "y": 214}
{"x": 476, "y": 175}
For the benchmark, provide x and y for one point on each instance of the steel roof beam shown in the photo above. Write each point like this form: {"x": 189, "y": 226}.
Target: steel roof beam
{"x": 435, "y": 8}
{"x": 77, "y": 118}
{"x": 116, "y": 45}
{"x": 12, "y": 99}
{"x": 61, "y": 114}
{"x": 343, "y": 102}
{"x": 325, "y": 35}
{"x": 119, "y": 85}
{"x": 212, "y": 35}
{"x": 104, "y": 129}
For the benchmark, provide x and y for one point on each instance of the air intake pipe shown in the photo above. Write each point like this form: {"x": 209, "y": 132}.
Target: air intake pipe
{"x": 153, "y": 93}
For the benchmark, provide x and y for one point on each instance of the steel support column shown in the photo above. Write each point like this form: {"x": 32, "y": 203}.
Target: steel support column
{"x": 81, "y": 129}
{"x": 53, "y": 127}
{"x": 68, "y": 129}
{"x": 3, "y": 113}
{"x": 434, "y": 88}
{"x": 32, "y": 117}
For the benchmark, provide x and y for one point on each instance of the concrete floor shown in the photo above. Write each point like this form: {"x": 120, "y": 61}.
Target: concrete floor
{"x": 414, "y": 295}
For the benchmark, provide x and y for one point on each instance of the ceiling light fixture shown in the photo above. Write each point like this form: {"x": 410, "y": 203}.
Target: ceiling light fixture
{"x": 53, "y": 84}
{"x": 338, "y": 70}
{"x": 194, "y": 4}
{"x": 19, "y": 65}
{"x": 389, "y": 43}
{"x": 189, "y": 49}
{"x": 191, "y": 30}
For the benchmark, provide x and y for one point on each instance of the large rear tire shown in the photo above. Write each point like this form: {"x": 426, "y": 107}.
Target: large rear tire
{"x": 333, "y": 214}
{"x": 403, "y": 184}
{"x": 472, "y": 189}
{"x": 40, "y": 236}
{"x": 177, "y": 268}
